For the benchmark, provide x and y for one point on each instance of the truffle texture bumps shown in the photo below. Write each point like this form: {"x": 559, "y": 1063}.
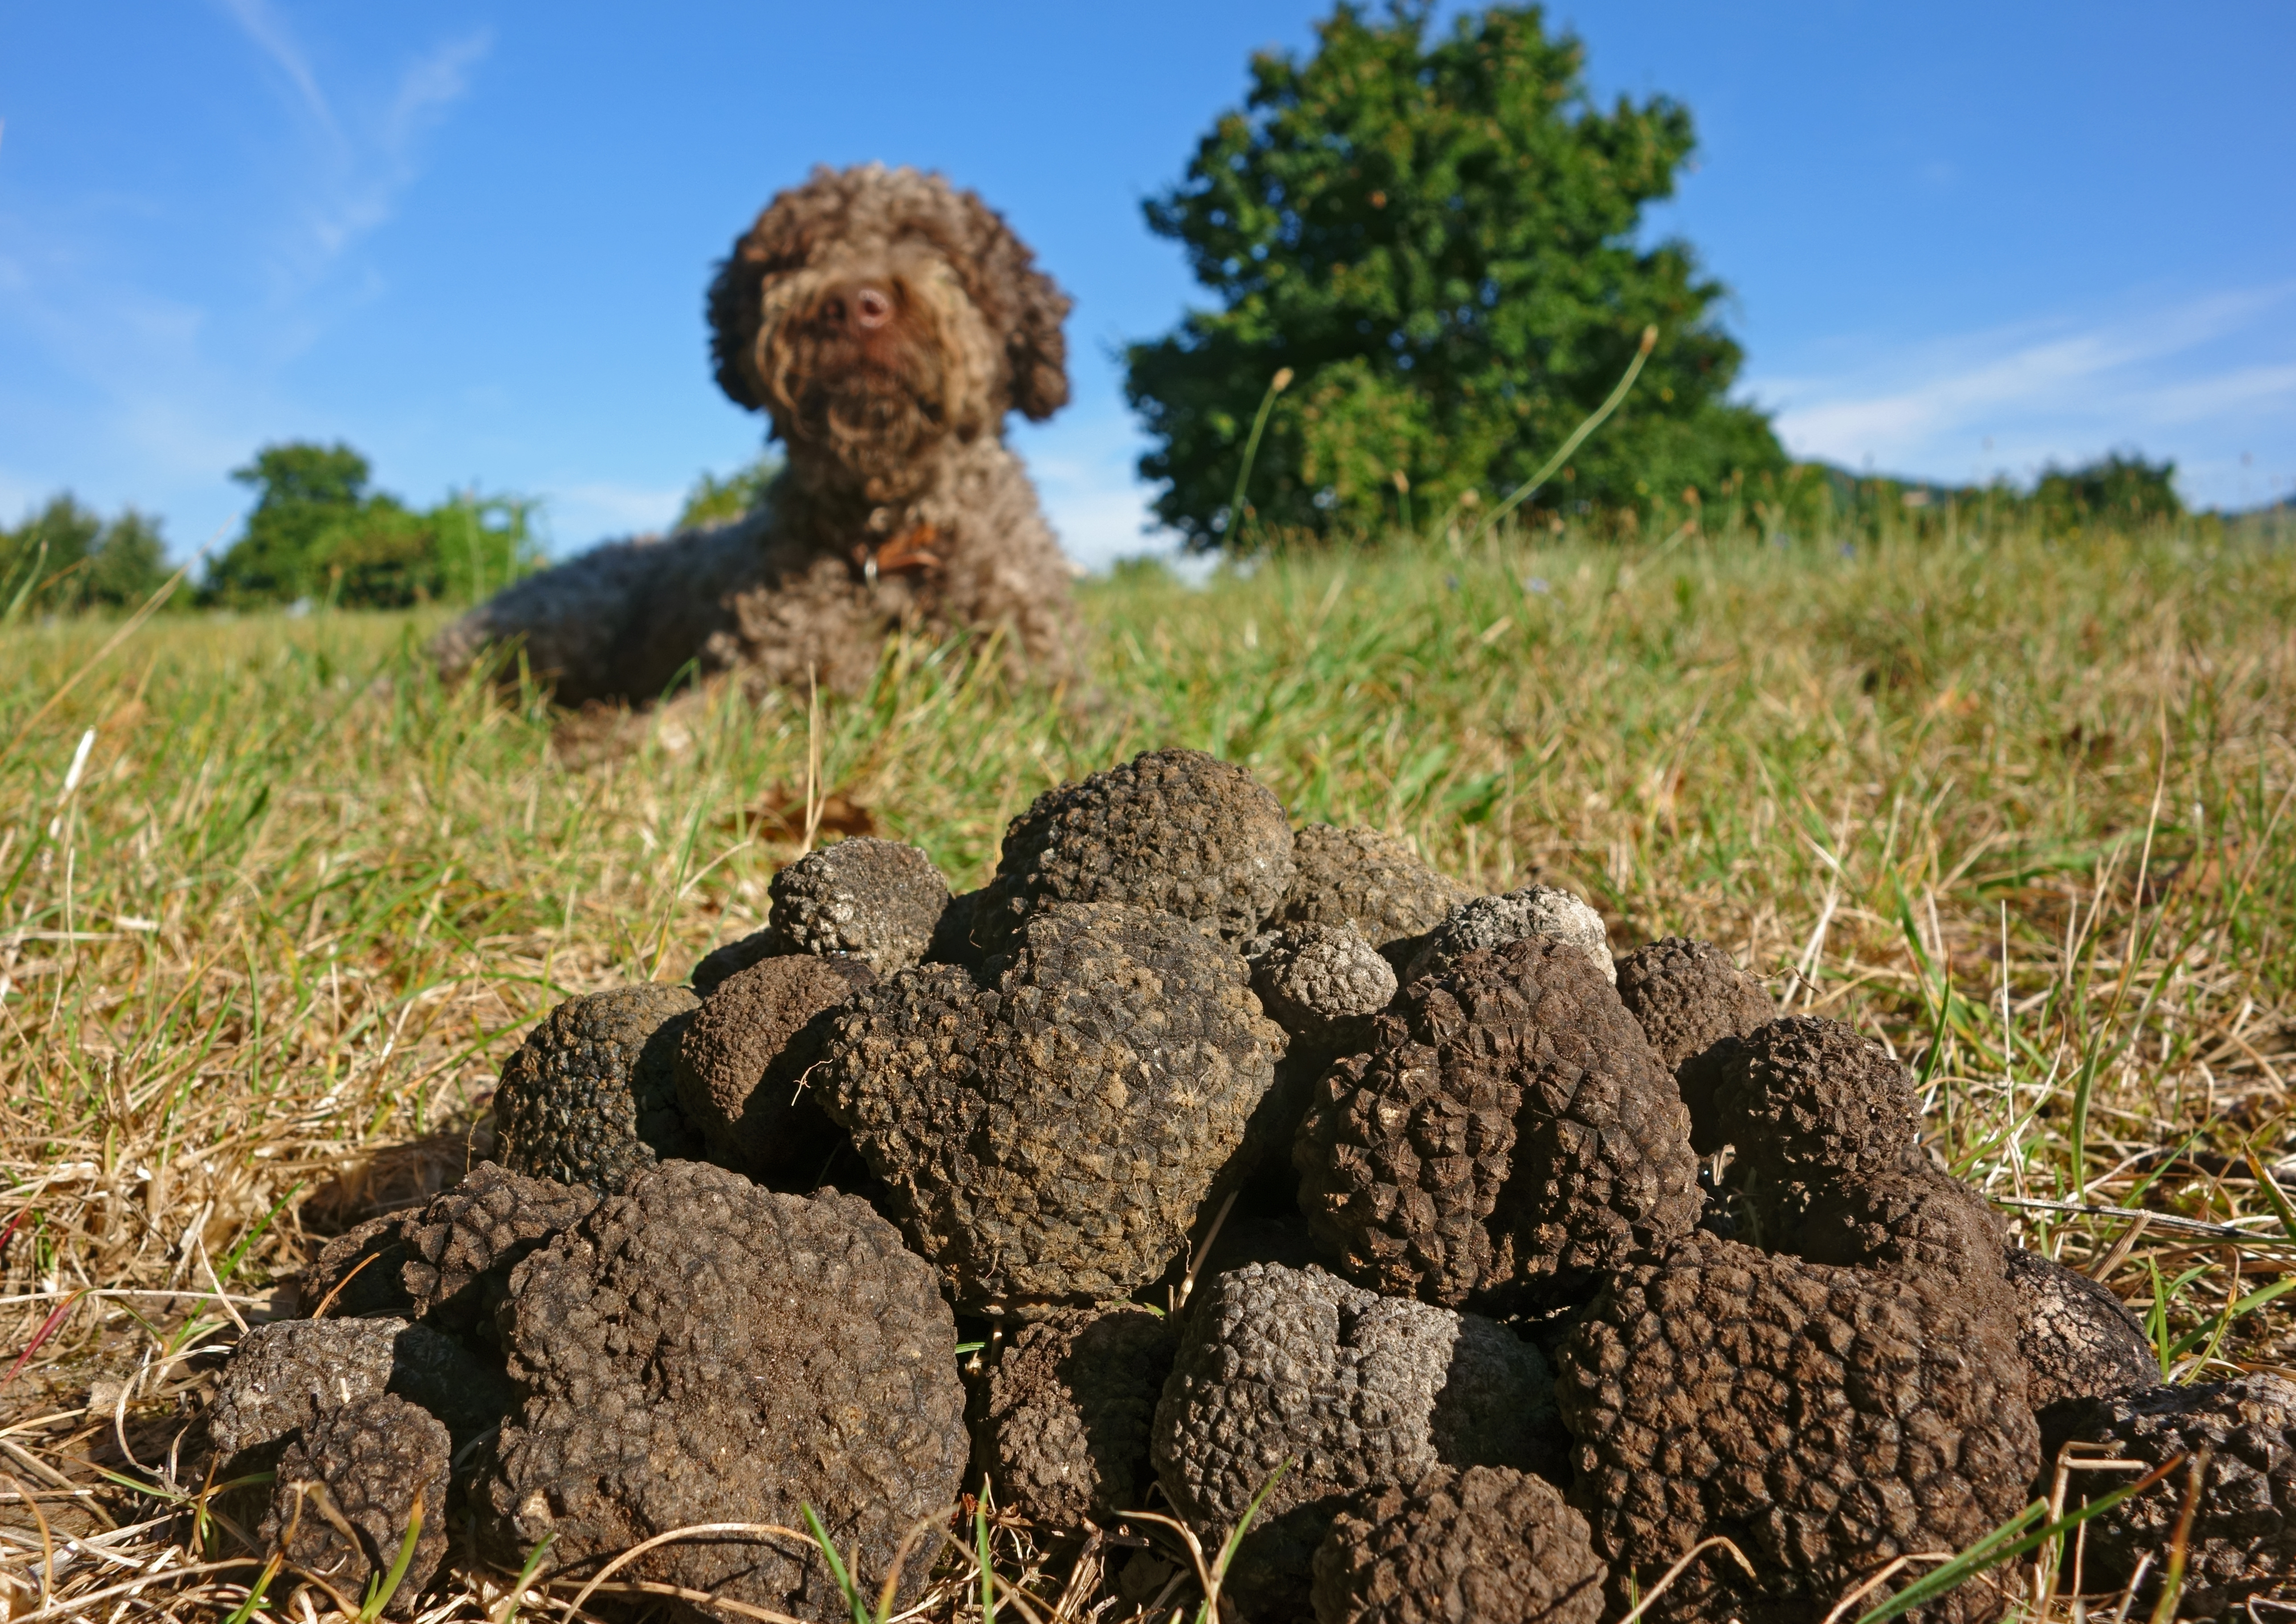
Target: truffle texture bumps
{"x": 1178, "y": 831}
{"x": 1492, "y": 921}
{"x": 1826, "y": 1420}
{"x": 1509, "y": 1135}
{"x": 742, "y": 1060}
{"x": 1690, "y": 1001}
{"x": 876, "y": 900}
{"x": 1360, "y": 1390}
{"x": 380, "y": 1462}
{"x": 1069, "y": 1406}
{"x": 700, "y": 1349}
{"x": 1496, "y": 1545}
{"x": 2078, "y": 1340}
{"x": 589, "y": 1097}
{"x": 284, "y": 1375}
{"x": 1050, "y": 1141}
{"x": 1371, "y": 881}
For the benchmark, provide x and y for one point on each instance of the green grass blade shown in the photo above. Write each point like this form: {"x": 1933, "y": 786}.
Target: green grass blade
{"x": 858, "y": 1608}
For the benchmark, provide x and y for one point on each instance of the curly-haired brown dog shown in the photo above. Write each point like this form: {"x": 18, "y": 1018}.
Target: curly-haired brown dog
{"x": 885, "y": 321}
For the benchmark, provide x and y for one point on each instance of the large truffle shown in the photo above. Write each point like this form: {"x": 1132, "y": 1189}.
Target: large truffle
{"x": 1691, "y": 1000}
{"x": 1358, "y": 1390}
{"x": 1177, "y": 831}
{"x": 1371, "y": 881}
{"x": 1509, "y": 1135}
{"x": 1493, "y": 921}
{"x": 1049, "y": 1140}
{"x": 349, "y": 1492}
{"x": 877, "y": 901}
{"x": 284, "y": 1375}
{"x": 2243, "y": 1536}
{"x": 1066, "y": 1436}
{"x": 590, "y": 1096}
{"x": 742, "y": 1064}
{"x": 700, "y": 1349}
{"x": 1826, "y": 1420}
{"x": 1488, "y": 1544}
{"x": 2079, "y": 1341}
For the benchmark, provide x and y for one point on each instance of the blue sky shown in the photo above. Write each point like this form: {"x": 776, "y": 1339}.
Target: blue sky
{"x": 471, "y": 239}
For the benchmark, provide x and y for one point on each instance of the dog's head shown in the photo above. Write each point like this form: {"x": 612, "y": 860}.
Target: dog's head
{"x": 872, "y": 312}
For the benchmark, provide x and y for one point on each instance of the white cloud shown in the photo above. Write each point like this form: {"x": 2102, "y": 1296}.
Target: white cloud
{"x": 270, "y": 33}
{"x": 1083, "y": 463}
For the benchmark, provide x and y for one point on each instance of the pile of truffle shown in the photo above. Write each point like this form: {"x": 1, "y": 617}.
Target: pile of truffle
{"x": 1259, "y": 1162}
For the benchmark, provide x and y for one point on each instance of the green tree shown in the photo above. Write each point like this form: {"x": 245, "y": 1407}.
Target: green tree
{"x": 66, "y": 557}
{"x": 1439, "y": 240}
{"x": 307, "y": 492}
{"x": 2118, "y": 487}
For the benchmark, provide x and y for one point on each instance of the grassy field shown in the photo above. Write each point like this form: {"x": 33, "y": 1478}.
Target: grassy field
{"x": 273, "y": 906}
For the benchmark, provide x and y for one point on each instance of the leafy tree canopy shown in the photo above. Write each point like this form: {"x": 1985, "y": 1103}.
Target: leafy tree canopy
{"x": 66, "y": 557}
{"x": 1439, "y": 240}
{"x": 2120, "y": 485}
{"x": 318, "y": 533}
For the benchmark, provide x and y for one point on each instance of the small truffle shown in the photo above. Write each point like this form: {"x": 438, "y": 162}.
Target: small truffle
{"x": 356, "y": 1274}
{"x": 1049, "y": 1139}
{"x": 1509, "y": 1137}
{"x": 1175, "y": 831}
{"x": 380, "y": 1461}
{"x": 1374, "y": 882}
{"x": 742, "y": 1064}
{"x": 2243, "y": 1536}
{"x": 711, "y": 970}
{"x": 1814, "y": 1107}
{"x": 700, "y": 1349}
{"x": 590, "y": 1096}
{"x": 1493, "y": 921}
{"x": 1066, "y": 1434}
{"x": 463, "y": 1246}
{"x": 876, "y": 901}
{"x": 1322, "y": 983}
{"x": 1690, "y": 999}
{"x": 1488, "y": 1544}
{"x": 2078, "y": 1340}
{"x": 286, "y": 1374}
{"x": 1826, "y": 1420}
{"x": 1358, "y": 1388}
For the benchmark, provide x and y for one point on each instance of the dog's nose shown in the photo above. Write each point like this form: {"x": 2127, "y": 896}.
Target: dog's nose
{"x": 862, "y": 304}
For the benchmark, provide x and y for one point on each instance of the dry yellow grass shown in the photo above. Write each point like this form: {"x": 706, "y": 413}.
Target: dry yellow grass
{"x": 273, "y": 906}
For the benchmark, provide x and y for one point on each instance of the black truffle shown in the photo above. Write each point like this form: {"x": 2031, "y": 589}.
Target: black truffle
{"x": 348, "y": 1492}
{"x": 1813, "y": 1107}
{"x": 876, "y": 901}
{"x": 1356, "y": 1389}
{"x": 1066, "y": 1435}
{"x": 700, "y": 1349}
{"x": 1322, "y": 983}
{"x": 286, "y": 1374}
{"x": 742, "y": 1064}
{"x": 590, "y": 1096}
{"x": 1690, "y": 1001}
{"x": 711, "y": 970}
{"x": 1371, "y": 881}
{"x": 356, "y": 1274}
{"x": 1826, "y": 1420}
{"x": 2077, "y": 1339}
{"x": 1509, "y": 1136}
{"x": 2243, "y": 1536}
{"x": 462, "y": 1246}
{"x": 1493, "y": 921}
{"x": 1488, "y": 1544}
{"x": 1177, "y": 831}
{"x": 1050, "y": 1141}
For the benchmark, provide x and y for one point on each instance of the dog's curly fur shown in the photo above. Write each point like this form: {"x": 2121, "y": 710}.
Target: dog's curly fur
{"x": 885, "y": 321}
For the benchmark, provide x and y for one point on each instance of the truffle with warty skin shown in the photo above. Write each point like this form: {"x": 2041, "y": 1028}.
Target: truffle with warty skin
{"x": 1371, "y": 881}
{"x": 1510, "y": 1138}
{"x": 702, "y": 1350}
{"x": 1490, "y": 1544}
{"x": 590, "y": 1096}
{"x": 1692, "y": 1000}
{"x": 711, "y": 970}
{"x": 1174, "y": 831}
{"x": 742, "y": 1060}
{"x": 1322, "y": 983}
{"x": 2080, "y": 1341}
{"x": 1826, "y": 1420}
{"x": 1050, "y": 1133}
{"x": 356, "y": 1274}
{"x": 1492, "y": 921}
{"x": 2242, "y": 1543}
{"x": 1356, "y": 1389}
{"x": 380, "y": 1461}
{"x": 1065, "y": 1440}
{"x": 284, "y": 1375}
{"x": 1814, "y": 1107}
{"x": 876, "y": 901}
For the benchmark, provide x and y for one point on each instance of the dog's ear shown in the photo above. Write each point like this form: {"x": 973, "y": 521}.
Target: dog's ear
{"x": 1035, "y": 348}
{"x": 734, "y": 317}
